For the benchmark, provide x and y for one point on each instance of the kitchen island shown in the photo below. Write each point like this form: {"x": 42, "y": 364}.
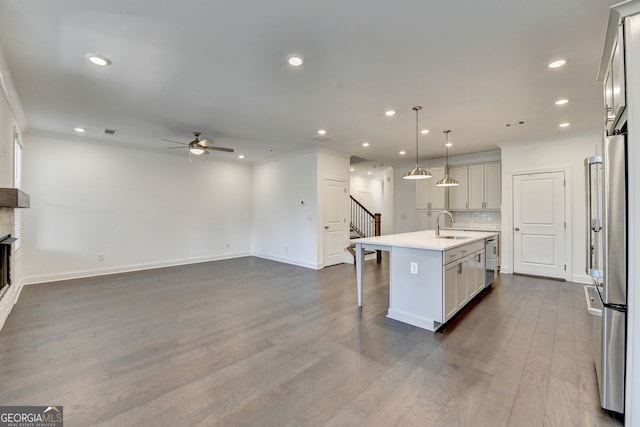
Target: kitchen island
{"x": 431, "y": 277}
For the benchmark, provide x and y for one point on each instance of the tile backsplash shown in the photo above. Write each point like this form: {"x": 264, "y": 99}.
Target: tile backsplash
{"x": 477, "y": 219}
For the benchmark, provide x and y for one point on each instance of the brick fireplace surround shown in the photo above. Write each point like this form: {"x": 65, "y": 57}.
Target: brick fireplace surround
{"x": 8, "y": 295}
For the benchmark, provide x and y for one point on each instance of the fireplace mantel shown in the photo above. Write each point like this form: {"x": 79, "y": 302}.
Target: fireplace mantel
{"x": 14, "y": 198}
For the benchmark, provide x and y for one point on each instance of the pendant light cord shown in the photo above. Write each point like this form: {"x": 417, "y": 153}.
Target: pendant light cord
{"x": 417, "y": 137}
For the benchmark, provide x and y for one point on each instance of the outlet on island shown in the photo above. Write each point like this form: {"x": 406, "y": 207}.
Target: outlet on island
{"x": 413, "y": 268}
{"x": 100, "y": 257}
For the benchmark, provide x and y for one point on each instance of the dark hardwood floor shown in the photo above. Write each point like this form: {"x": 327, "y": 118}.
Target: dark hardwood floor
{"x": 252, "y": 342}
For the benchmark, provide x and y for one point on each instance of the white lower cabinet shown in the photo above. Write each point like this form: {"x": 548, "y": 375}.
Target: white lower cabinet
{"x": 463, "y": 277}
{"x": 476, "y": 273}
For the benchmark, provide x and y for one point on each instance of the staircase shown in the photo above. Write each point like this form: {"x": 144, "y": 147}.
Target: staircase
{"x": 363, "y": 224}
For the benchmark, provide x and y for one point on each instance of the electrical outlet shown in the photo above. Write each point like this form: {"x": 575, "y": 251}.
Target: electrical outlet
{"x": 414, "y": 268}
{"x": 227, "y": 245}
{"x": 286, "y": 249}
{"x": 100, "y": 257}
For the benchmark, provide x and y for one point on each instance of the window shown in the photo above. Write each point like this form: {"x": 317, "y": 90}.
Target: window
{"x": 17, "y": 183}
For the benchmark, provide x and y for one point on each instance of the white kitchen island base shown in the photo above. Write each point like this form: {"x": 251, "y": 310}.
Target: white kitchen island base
{"x": 431, "y": 278}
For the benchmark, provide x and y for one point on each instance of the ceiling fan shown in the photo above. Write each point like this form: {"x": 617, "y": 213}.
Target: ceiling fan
{"x": 199, "y": 146}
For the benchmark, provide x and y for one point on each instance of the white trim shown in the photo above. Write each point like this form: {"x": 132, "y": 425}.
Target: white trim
{"x": 288, "y": 261}
{"x": 68, "y": 275}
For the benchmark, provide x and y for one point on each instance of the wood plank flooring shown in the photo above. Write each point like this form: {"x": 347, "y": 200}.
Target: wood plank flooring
{"x": 252, "y": 342}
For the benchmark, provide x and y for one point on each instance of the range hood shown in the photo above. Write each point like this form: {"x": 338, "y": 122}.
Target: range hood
{"x": 14, "y": 198}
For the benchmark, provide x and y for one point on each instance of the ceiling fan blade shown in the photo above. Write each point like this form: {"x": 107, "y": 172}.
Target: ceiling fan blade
{"x": 171, "y": 148}
{"x": 227, "y": 150}
{"x": 176, "y": 142}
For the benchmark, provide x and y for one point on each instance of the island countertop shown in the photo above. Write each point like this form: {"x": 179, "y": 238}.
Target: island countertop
{"x": 426, "y": 239}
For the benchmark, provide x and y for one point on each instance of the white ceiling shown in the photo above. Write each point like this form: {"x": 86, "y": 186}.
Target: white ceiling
{"x": 220, "y": 67}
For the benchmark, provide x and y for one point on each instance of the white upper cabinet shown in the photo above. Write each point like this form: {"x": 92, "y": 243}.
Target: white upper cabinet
{"x": 479, "y": 189}
{"x": 459, "y": 195}
{"x": 428, "y": 196}
{"x": 614, "y": 85}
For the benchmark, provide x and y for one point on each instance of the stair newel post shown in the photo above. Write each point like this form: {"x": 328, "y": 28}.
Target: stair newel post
{"x": 378, "y": 231}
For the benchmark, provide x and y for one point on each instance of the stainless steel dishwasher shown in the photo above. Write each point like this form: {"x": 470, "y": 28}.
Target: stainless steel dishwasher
{"x": 491, "y": 259}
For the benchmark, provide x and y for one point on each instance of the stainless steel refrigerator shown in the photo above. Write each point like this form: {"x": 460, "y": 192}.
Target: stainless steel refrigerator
{"x": 606, "y": 178}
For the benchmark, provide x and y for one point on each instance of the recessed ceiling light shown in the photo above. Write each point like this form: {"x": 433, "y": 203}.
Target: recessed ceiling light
{"x": 557, "y": 63}
{"x": 448, "y": 144}
{"x": 322, "y": 132}
{"x": 424, "y": 131}
{"x": 80, "y": 130}
{"x": 390, "y": 113}
{"x": 402, "y": 153}
{"x": 369, "y": 173}
{"x": 241, "y": 156}
{"x": 98, "y": 59}
{"x": 295, "y": 60}
{"x": 564, "y": 125}
{"x": 562, "y": 101}
{"x": 352, "y": 169}
{"x": 365, "y": 144}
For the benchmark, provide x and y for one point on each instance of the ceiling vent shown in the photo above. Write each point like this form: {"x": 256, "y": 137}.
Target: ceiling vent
{"x": 110, "y": 131}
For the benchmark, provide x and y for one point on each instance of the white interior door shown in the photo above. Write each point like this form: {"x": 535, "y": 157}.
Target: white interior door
{"x": 539, "y": 224}
{"x": 334, "y": 200}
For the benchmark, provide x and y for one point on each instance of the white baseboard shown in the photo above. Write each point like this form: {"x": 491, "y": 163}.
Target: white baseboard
{"x": 67, "y": 275}
{"x": 288, "y": 261}
{"x": 582, "y": 278}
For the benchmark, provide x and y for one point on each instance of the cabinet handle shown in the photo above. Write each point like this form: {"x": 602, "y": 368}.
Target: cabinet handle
{"x": 464, "y": 252}
{"x": 467, "y": 205}
{"x": 479, "y": 256}
{"x": 460, "y": 268}
{"x": 484, "y": 205}
{"x": 429, "y": 205}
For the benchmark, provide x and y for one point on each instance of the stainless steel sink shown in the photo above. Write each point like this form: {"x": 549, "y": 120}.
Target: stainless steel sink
{"x": 452, "y": 237}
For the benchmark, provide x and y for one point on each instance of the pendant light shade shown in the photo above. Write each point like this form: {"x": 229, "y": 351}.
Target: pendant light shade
{"x": 417, "y": 172}
{"x": 447, "y": 181}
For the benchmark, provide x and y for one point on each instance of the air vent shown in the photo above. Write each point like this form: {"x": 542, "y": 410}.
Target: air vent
{"x": 518, "y": 123}
{"x": 110, "y": 131}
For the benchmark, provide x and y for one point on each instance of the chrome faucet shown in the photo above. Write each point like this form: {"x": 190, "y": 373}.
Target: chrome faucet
{"x": 438, "y": 220}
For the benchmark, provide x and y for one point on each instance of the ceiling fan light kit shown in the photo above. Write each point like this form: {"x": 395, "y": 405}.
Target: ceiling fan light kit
{"x": 199, "y": 146}
{"x": 447, "y": 181}
{"x": 417, "y": 172}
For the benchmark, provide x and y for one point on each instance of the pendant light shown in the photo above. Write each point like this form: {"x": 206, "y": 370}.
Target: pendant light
{"x": 447, "y": 181}
{"x": 417, "y": 172}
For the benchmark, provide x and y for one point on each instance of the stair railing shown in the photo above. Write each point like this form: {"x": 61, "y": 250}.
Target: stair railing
{"x": 365, "y": 223}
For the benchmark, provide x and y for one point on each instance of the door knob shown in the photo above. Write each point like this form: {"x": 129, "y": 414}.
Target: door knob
{"x": 517, "y": 228}
{"x": 326, "y": 227}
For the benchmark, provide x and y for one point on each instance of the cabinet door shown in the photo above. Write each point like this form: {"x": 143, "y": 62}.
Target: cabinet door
{"x": 437, "y": 193}
{"x": 423, "y": 187}
{"x": 462, "y": 291}
{"x": 476, "y": 187}
{"x": 450, "y": 285}
{"x": 425, "y": 220}
{"x": 617, "y": 75}
{"x": 459, "y": 196}
{"x": 478, "y": 259}
{"x": 492, "y": 186}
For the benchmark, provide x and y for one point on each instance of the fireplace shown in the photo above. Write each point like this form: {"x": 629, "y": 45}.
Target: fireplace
{"x": 5, "y": 260}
